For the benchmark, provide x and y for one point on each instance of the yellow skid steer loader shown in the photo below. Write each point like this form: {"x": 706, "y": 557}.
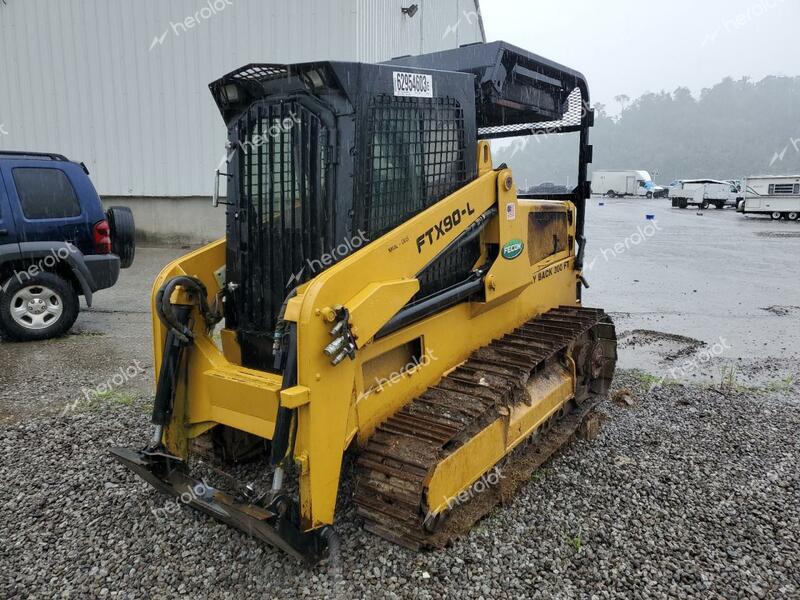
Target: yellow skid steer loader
{"x": 382, "y": 290}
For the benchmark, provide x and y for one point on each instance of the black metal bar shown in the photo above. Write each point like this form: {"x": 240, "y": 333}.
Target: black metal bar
{"x": 583, "y": 191}
{"x": 435, "y": 303}
{"x": 248, "y": 211}
{"x": 488, "y": 133}
{"x": 293, "y": 179}
{"x": 284, "y": 254}
{"x": 170, "y": 364}
{"x": 562, "y": 197}
{"x": 306, "y": 178}
{"x": 271, "y": 207}
{"x": 259, "y": 239}
{"x": 283, "y": 422}
{"x": 315, "y": 207}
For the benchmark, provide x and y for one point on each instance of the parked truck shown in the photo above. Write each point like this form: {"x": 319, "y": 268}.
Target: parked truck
{"x": 623, "y": 183}
{"x": 776, "y": 196}
{"x": 703, "y": 193}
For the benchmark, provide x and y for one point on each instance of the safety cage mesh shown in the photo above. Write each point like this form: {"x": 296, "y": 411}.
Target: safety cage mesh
{"x": 571, "y": 121}
{"x": 415, "y": 156}
{"x": 285, "y": 210}
{"x": 259, "y": 73}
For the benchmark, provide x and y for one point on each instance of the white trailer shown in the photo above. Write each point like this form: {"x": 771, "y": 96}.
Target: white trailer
{"x": 703, "y": 193}
{"x": 776, "y": 196}
{"x": 625, "y": 183}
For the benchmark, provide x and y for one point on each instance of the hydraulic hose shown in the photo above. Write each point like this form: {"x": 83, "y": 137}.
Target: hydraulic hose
{"x": 280, "y": 331}
{"x": 168, "y": 374}
{"x": 177, "y": 320}
{"x": 283, "y": 423}
{"x": 165, "y": 308}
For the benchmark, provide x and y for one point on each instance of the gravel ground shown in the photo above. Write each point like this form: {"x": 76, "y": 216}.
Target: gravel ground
{"x": 688, "y": 492}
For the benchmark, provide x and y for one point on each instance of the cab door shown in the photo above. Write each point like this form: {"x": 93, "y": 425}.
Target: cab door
{"x": 8, "y": 230}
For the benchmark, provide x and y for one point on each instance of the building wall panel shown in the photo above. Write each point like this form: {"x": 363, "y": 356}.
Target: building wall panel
{"x": 122, "y": 85}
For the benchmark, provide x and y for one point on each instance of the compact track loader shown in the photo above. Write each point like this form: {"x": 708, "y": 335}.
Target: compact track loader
{"x": 382, "y": 290}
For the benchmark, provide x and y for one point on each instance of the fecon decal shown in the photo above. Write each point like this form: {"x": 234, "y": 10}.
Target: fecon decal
{"x": 445, "y": 225}
{"x": 512, "y": 249}
{"x": 415, "y": 85}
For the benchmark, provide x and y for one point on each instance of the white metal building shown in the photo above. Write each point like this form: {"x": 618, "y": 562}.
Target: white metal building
{"x": 122, "y": 85}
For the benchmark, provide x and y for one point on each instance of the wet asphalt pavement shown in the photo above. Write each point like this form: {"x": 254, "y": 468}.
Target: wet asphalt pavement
{"x": 716, "y": 289}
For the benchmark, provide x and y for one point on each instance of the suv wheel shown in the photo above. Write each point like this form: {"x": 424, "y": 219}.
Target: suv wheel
{"x": 123, "y": 233}
{"x": 38, "y": 308}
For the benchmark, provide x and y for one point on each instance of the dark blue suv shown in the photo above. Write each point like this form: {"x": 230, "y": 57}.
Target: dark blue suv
{"x": 56, "y": 244}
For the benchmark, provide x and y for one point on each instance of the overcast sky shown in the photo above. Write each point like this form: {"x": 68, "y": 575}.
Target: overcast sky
{"x": 634, "y": 46}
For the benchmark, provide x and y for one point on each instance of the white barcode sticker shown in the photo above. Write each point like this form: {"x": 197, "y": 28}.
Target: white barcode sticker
{"x": 415, "y": 85}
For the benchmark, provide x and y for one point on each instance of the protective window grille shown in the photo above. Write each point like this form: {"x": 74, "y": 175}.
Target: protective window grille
{"x": 571, "y": 121}
{"x": 416, "y": 156}
{"x": 283, "y": 198}
{"x": 260, "y": 73}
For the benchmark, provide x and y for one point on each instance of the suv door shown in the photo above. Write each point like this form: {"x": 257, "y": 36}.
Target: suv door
{"x": 45, "y": 202}
{"x": 8, "y": 230}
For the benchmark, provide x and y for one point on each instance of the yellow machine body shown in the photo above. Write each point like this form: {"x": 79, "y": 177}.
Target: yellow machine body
{"x": 337, "y": 406}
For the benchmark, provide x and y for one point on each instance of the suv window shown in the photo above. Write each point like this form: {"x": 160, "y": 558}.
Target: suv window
{"x": 45, "y": 193}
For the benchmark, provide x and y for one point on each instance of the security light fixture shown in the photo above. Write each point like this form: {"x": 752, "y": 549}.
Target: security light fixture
{"x": 230, "y": 93}
{"x": 411, "y": 10}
